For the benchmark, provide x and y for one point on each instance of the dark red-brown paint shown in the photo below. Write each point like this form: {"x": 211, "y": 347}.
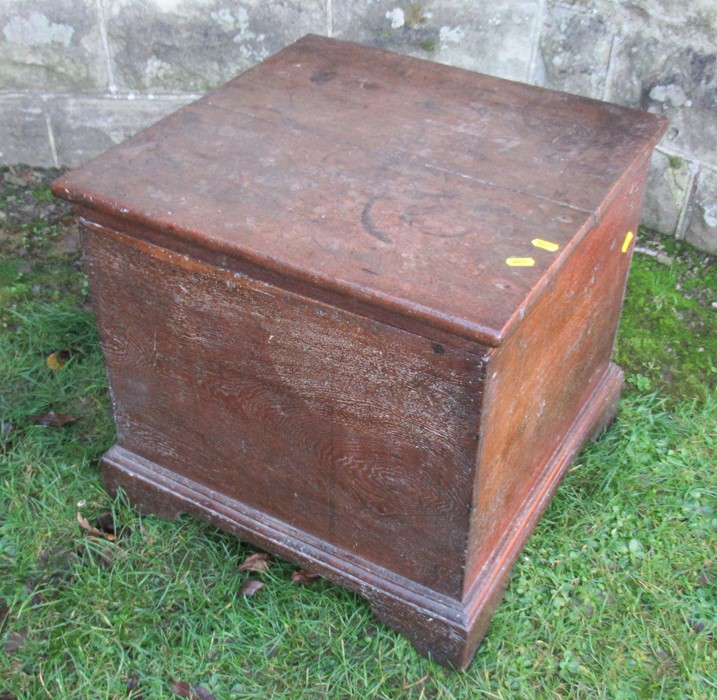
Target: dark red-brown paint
{"x": 313, "y": 338}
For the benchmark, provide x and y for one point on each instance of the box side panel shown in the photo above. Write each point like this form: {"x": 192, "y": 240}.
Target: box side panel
{"x": 540, "y": 380}
{"x": 356, "y": 432}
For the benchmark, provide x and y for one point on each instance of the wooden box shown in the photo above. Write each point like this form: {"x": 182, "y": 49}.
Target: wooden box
{"x": 359, "y": 309}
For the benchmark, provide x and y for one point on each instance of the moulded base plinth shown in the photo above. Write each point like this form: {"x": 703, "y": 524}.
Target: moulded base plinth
{"x": 445, "y": 629}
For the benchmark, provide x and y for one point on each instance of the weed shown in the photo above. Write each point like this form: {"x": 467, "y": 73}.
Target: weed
{"x": 675, "y": 162}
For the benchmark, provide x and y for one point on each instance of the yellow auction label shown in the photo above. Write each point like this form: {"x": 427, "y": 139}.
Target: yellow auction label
{"x": 628, "y": 239}
{"x": 520, "y": 262}
{"x": 545, "y": 245}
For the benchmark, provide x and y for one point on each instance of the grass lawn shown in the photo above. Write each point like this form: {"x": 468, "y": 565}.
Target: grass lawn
{"x": 615, "y": 595}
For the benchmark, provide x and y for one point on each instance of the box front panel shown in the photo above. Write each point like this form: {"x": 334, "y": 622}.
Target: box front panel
{"x": 356, "y": 432}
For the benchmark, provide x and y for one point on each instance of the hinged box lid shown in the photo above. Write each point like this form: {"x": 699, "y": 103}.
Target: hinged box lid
{"x": 431, "y": 196}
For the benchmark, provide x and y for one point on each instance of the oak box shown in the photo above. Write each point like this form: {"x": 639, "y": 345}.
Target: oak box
{"x": 359, "y": 309}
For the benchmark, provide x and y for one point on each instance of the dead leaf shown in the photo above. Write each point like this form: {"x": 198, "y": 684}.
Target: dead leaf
{"x": 304, "y": 576}
{"x": 182, "y": 688}
{"x": 420, "y": 681}
{"x": 91, "y": 530}
{"x": 251, "y": 587}
{"x": 7, "y": 695}
{"x": 15, "y": 641}
{"x": 259, "y": 561}
{"x": 196, "y": 692}
{"x": 52, "y": 419}
{"x": 85, "y": 524}
{"x": 57, "y": 360}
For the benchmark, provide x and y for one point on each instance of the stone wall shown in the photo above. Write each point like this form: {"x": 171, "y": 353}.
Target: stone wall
{"x": 77, "y": 76}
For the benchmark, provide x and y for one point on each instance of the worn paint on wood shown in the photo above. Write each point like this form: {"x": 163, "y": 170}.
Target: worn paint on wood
{"x": 275, "y": 400}
{"x": 404, "y": 182}
{"x": 359, "y": 309}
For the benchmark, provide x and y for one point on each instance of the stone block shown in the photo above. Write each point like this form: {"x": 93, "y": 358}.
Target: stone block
{"x": 23, "y": 131}
{"x": 575, "y": 47}
{"x": 665, "y": 61}
{"x": 50, "y": 45}
{"x": 668, "y": 180}
{"x": 86, "y": 126}
{"x": 702, "y": 216}
{"x": 193, "y": 46}
{"x": 494, "y": 38}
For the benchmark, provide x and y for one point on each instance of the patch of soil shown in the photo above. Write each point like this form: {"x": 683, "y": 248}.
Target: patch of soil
{"x": 34, "y": 223}
{"x": 25, "y": 196}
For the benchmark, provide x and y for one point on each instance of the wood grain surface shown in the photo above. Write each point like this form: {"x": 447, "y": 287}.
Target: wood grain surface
{"x": 402, "y": 182}
{"x": 340, "y": 425}
{"x": 359, "y": 309}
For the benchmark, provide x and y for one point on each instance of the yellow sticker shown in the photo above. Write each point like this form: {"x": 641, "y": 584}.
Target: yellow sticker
{"x": 545, "y": 245}
{"x": 520, "y": 262}
{"x": 628, "y": 239}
